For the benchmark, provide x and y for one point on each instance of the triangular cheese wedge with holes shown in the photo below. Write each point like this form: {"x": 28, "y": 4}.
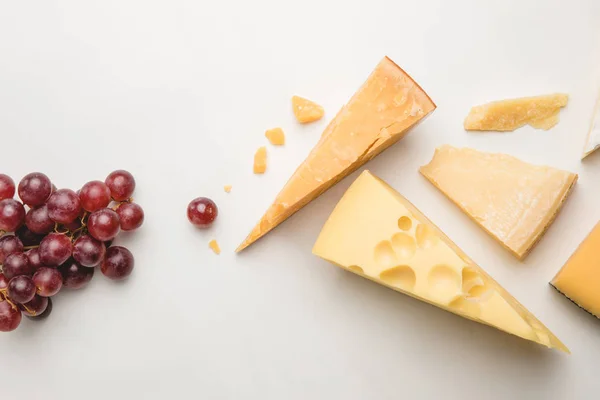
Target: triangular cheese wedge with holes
{"x": 378, "y": 234}
{"x": 383, "y": 110}
{"x": 515, "y": 202}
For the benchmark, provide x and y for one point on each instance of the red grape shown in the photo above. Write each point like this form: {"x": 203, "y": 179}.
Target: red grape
{"x": 55, "y": 249}
{"x": 88, "y": 251}
{"x": 35, "y": 306}
{"x": 10, "y": 316}
{"x": 94, "y": 195}
{"x": 9, "y": 244}
{"x": 104, "y": 224}
{"x": 21, "y": 289}
{"x": 3, "y": 282}
{"x": 202, "y": 212}
{"x": 38, "y": 220}
{"x": 118, "y": 263}
{"x": 48, "y": 281}
{"x": 27, "y": 237}
{"x": 34, "y": 189}
{"x": 131, "y": 216}
{"x": 43, "y": 315}
{"x": 12, "y": 215}
{"x": 75, "y": 276}
{"x": 7, "y": 187}
{"x": 64, "y": 206}
{"x": 121, "y": 184}
{"x": 16, "y": 264}
{"x": 34, "y": 258}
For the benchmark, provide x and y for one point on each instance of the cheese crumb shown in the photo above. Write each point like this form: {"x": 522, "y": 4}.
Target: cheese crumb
{"x": 260, "y": 160}
{"x": 214, "y": 246}
{"x": 276, "y": 136}
{"x": 306, "y": 110}
{"x": 227, "y": 188}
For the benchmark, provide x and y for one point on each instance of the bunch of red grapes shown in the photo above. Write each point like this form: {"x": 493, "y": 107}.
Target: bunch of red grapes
{"x": 55, "y": 238}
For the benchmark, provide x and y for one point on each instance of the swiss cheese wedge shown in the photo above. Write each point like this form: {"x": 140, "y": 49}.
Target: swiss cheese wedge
{"x": 383, "y": 110}
{"x": 378, "y": 234}
{"x": 512, "y": 200}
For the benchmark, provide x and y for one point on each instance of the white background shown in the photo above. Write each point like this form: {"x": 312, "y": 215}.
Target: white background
{"x": 181, "y": 92}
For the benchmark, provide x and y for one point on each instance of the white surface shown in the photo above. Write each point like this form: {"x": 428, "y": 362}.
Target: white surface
{"x": 180, "y": 93}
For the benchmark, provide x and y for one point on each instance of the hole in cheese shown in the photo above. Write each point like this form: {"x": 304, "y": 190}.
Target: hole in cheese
{"x": 402, "y": 277}
{"x": 384, "y": 254}
{"x": 404, "y": 223}
{"x": 404, "y": 246}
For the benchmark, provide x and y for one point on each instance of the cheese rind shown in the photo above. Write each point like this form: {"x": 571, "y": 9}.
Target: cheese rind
{"x": 579, "y": 278}
{"x": 379, "y": 114}
{"x": 367, "y": 234}
{"x": 306, "y": 111}
{"x": 515, "y": 202}
{"x": 593, "y": 138}
{"x": 541, "y": 112}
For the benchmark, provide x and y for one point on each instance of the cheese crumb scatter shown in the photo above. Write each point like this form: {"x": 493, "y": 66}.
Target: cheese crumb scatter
{"x": 214, "y": 246}
{"x": 275, "y": 136}
{"x": 306, "y": 111}
{"x": 260, "y": 160}
{"x": 227, "y": 188}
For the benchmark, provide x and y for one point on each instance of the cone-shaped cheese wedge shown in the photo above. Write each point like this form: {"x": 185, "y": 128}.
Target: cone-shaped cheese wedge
{"x": 382, "y": 111}
{"x": 378, "y": 234}
{"x": 512, "y": 200}
{"x": 593, "y": 138}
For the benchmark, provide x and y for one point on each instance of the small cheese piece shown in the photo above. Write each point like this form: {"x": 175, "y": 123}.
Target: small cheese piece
{"x": 512, "y": 200}
{"x": 378, "y": 234}
{"x": 579, "y": 278}
{"x": 227, "y": 188}
{"x": 306, "y": 111}
{"x": 276, "y": 136}
{"x": 593, "y": 138}
{"x": 214, "y": 246}
{"x": 260, "y": 160}
{"x": 540, "y": 112}
{"x": 379, "y": 114}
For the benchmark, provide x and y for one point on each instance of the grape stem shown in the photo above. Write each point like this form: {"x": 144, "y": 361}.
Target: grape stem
{"x": 31, "y": 247}
{"x": 4, "y": 296}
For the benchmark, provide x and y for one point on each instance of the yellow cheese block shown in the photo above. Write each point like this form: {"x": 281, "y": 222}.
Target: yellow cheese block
{"x": 512, "y": 200}
{"x": 579, "y": 279}
{"x": 540, "y": 112}
{"x": 378, "y": 234}
{"x": 306, "y": 111}
{"x": 379, "y": 114}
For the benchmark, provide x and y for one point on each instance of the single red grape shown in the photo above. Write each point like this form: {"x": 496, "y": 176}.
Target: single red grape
{"x": 94, "y": 195}
{"x": 48, "y": 281}
{"x": 7, "y": 187}
{"x": 10, "y": 316}
{"x": 104, "y": 224}
{"x": 202, "y": 212}
{"x": 3, "y": 281}
{"x": 121, "y": 184}
{"x": 12, "y": 215}
{"x": 34, "y": 189}
{"x": 55, "y": 249}
{"x": 9, "y": 244}
{"x": 44, "y": 314}
{"x": 35, "y": 306}
{"x": 27, "y": 237}
{"x": 131, "y": 216}
{"x": 88, "y": 251}
{"x": 118, "y": 263}
{"x": 21, "y": 289}
{"x": 35, "y": 261}
{"x": 75, "y": 276}
{"x": 64, "y": 206}
{"x": 38, "y": 220}
{"x": 17, "y": 264}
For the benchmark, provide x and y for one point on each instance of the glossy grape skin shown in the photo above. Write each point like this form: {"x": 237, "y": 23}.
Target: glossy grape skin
{"x": 21, "y": 289}
{"x": 121, "y": 184}
{"x": 55, "y": 249}
{"x": 75, "y": 276}
{"x": 131, "y": 216}
{"x": 88, "y": 251}
{"x": 9, "y": 244}
{"x": 7, "y": 187}
{"x": 27, "y": 237}
{"x": 38, "y": 220}
{"x": 94, "y": 195}
{"x": 34, "y": 189}
{"x": 118, "y": 263}
{"x": 104, "y": 224}
{"x": 12, "y": 215}
{"x": 43, "y": 315}
{"x": 10, "y": 316}
{"x": 64, "y": 206}
{"x": 202, "y": 212}
{"x": 35, "y": 306}
{"x": 17, "y": 264}
{"x": 3, "y": 281}
{"x": 35, "y": 261}
{"x": 48, "y": 281}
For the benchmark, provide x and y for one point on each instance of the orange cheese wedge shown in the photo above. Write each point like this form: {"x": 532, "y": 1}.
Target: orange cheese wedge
{"x": 379, "y": 114}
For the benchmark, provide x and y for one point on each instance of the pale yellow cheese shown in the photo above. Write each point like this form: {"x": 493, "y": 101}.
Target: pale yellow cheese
{"x": 579, "y": 278}
{"x": 379, "y": 114}
{"x": 227, "y": 188}
{"x": 378, "y": 234}
{"x": 276, "y": 136}
{"x": 260, "y": 160}
{"x": 306, "y": 111}
{"x": 541, "y": 112}
{"x": 512, "y": 200}
{"x": 592, "y": 142}
{"x": 214, "y": 246}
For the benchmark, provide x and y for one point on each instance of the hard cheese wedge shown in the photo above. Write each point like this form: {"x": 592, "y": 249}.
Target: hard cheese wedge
{"x": 579, "y": 279}
{"x": 382, "y": 111}
{"x": 378, "y": 234}
{"x": 593, "y": 138}
{"x": 512, "y": 200}
{"x": 540, "y": 112}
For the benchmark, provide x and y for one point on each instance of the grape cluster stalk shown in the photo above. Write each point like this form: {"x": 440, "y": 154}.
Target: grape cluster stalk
{"x": 51, "y": 239}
